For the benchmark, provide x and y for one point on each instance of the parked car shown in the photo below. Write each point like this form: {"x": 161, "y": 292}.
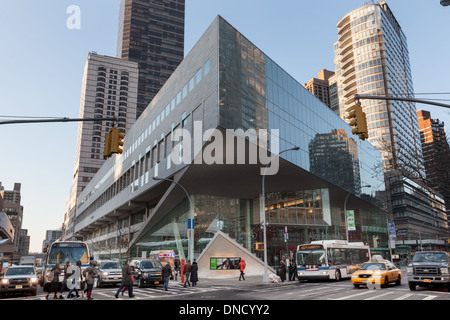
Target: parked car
{"x": 377, "y": 272}
{"x": 19, "y": 279}
{"x": 147, "y": 272}
{"x": 110, "y": 272}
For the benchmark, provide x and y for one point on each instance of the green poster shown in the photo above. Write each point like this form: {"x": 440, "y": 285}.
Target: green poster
{"x": 351, "y": 223}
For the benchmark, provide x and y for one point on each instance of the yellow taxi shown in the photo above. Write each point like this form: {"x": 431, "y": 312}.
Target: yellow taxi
{"x": 377, "y": 273}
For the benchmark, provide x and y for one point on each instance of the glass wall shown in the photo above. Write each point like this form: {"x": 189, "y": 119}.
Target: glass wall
{"x": 255, "y": 93}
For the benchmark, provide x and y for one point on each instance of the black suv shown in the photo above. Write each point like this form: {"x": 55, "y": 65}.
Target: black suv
{"x": 147, "y": 272}
{"x": 429, "y": 268}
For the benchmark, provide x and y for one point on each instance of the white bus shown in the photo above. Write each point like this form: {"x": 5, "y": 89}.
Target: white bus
{"x": 330, "y": 259}
{"x": 61, "y": 252}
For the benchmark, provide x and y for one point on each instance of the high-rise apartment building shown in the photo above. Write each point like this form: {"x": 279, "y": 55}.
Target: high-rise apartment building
{"x": 320, "y": 87}
{"x": 109, "y": 89}
{"x": 151, "y": 33}
{"x": 436, "y": 154}
{"x": 372, "y": 58}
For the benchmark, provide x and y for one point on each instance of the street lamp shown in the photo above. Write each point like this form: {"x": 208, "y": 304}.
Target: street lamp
{"x": 262, "y": 211}
{"x": 345, "y": 211}
{"x": 191, "y": 209}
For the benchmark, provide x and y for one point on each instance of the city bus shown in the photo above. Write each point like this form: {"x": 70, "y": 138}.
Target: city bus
{"x": 61, "y": 252}
{"x": 330, "y": 259}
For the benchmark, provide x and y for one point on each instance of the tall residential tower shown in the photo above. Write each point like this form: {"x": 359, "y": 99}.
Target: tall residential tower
{"x": 372, "y": 58}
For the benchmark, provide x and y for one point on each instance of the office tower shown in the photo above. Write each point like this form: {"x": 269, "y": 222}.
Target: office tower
{"x": 151, "y": 33}
{"x": 51, "y": 236}
{"x": 10, "y": 204}
{"x": 372, "y": 58}
{"x": 320, "y": 87}
{"x": 109, "y": 89}
{"x": 436, "y": 154}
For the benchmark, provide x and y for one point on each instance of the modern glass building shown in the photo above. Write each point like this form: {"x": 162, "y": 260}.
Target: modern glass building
{"x": 227, "y": 85}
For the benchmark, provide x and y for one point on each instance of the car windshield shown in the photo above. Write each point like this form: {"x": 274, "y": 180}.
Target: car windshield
{"x": 63, "y": 254}
{"x": 150, "y": 264}
{"x": 430, "y": 257}
{"x": 110, "y": 265}
{"x": 19, "y": 271}
{"x": 373, "y": 266}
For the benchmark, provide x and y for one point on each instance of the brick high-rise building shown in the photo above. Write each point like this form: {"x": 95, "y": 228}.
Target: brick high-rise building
{"x": 436, "y": 154}
{"x": 151, "y": 33}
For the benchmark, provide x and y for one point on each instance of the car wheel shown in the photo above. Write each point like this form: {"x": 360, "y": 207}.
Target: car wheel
{"x": 399, "y": 281}
{"x": 141, "y": 283}
{"x": 33, "y": 293}
{"x": 412, "y": 286}
{"x": 356, "y": 285}
{"x": 338, "y": 275}
{"x": 386, "y": 282}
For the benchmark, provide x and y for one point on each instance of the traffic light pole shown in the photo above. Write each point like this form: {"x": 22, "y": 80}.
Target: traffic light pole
{"x": 57, "y": 120}
{"x": 361, "y": 96}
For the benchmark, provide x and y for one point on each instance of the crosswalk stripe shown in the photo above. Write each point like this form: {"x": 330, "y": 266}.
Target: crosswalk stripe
{"x": 403, "y": 297}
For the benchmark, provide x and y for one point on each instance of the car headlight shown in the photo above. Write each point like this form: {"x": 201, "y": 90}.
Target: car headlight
{"x": 355, "y": 276}
{"x": 377, "y": 276}
{"x": 33, "y": 279}
{"x": 104, "y": 274}
{"x": 444, "y": 270}
{"x": 145, "y": 274}
{"x": 5, "y": 281}
{"x": 409, "y": 270}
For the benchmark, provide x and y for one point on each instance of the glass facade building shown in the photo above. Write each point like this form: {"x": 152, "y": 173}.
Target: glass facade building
{"x": 236, "y": 86}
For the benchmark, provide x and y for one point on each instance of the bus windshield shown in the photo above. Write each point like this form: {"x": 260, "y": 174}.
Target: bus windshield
{"x": 311, "y": 257}
{"x": 63, "y": 254}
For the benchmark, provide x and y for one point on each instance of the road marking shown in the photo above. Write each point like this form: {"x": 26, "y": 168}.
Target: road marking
{"x": 355, "y": 295}
{"x": 404, "y": 296}
{"x": 429, "y": 297}
{"x": 380, "y": 295}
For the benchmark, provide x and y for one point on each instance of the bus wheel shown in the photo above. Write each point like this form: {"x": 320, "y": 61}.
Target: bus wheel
{"x": 338, "y": 275}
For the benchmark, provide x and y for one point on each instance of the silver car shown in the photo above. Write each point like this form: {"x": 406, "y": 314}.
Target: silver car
{"x": 110, "y": 272}
{"x": 19, "y": 279}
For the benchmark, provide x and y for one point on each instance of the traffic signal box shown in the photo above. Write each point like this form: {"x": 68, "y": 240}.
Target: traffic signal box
{"x": 358, "y": 121}
{"x": 113, "y": 142}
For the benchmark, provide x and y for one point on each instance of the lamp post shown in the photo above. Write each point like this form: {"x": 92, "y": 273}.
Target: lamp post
{"x": 345, "y": 211}
{"x": 191, "y": 215}
{"x": 263, "y": 211}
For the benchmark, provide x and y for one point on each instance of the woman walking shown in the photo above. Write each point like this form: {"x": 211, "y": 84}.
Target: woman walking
{"x": 54, "y": 281}
{"x": 194, "y": 273}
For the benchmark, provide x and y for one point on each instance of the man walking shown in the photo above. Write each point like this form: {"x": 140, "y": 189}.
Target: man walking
{"x": 167, "y": 273}
{"x": 186, "y": 273}
{"x": 127, "y": 280}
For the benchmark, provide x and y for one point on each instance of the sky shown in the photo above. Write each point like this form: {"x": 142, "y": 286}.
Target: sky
{"x": 42, "y": 63}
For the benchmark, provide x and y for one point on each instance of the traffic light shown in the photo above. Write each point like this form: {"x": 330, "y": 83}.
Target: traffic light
{"x": 107, "y": 148}
{"x": 358, "y": 122}
{"x": 116, "y": 140}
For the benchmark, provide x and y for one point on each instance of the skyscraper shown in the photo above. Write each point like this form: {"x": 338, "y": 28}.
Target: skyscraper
{"x": 372, "y": 58}
{"x": 320, "y": 86}
{"x": 436, "y": 154}
{"x": 151, "y": 33}
{"x": 109, "y": 89}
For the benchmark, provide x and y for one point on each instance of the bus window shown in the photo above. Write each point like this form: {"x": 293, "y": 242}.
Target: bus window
{"x": 337, "y": 256}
